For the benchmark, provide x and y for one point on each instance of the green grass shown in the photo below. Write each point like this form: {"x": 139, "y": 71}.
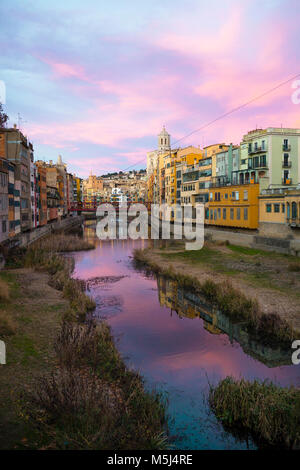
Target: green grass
{"x": 25, "y": 348}
{"x": 205, "y": 255}
{"x": 249, "y": 251}
{"x": 268, "y": 413}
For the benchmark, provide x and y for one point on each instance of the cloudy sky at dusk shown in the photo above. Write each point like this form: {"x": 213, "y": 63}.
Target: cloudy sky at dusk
{"x": 95, "y": 80}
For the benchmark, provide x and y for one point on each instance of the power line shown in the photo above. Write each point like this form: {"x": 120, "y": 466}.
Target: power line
{"x": 222, "y": 116}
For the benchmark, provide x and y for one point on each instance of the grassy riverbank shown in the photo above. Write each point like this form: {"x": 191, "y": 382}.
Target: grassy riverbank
{"x": 271, "y": 328}
{"x": 264, "y": 411}
{"x": 65, "y": 385}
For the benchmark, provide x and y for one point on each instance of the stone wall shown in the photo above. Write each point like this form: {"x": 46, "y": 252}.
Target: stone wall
{"x": 26, "y": 238}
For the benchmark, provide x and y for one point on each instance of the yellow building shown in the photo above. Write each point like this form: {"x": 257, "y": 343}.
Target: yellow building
{"x": 233, "y": 206}
{"x": 279, "y": 207}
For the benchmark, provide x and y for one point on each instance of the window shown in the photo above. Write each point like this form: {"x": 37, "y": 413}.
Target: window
{"x": 224, "y": 214}
{"x": 263, "y": 161}
{"x": 3, "y": 226}
{"x": 285, "y": 159}
{"x": 226, "y": 196}
{"x": 207, "y": 213}
{"x": 238, "y": 213}
{"x": 255, "y": 162}
{"x": 245, "y": 195}
{"x": 231, "y": 213}
{"x": 250, "y": 163}
{"x": 263, "y": 145}
{"x": 219, "y": 213}
{"x": 276, "y": 208}
{"x": 246, "y": 213}
{"x": 268, "y": 207}
{"x": 283, "y": 208}
{"x": 211, "y": 196}
{"x": 215, "y": 214}
{"x": 237, "y": 195}
{"x": 211, "y": 214}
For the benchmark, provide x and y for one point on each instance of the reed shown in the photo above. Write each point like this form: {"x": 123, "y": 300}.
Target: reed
{"x": 63, "y": 243}
{"x": 268, "y": 413}
{"x": 92, "y": 400}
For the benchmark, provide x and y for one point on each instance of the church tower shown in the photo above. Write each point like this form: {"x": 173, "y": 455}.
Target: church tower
{"x": 164, "y": 141}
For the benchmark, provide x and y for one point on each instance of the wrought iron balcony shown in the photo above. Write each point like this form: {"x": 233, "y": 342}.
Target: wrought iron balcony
{"x": 286, "y": 164}
{"x": 286, "y": 148}
{"x": 256, "y": 150}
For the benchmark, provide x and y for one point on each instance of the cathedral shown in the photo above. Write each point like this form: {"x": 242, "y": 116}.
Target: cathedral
{"x": 164, "y": 145}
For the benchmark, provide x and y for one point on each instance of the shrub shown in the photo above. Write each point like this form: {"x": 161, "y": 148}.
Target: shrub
{"x": 269, "y": 413}
{"x": 91, "y": 400}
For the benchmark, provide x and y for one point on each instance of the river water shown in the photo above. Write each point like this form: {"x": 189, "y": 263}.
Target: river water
{"x": 177, "y": 342}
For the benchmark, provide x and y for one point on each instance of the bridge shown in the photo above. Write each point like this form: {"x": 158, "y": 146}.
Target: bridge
{"x": 92, "y": 206}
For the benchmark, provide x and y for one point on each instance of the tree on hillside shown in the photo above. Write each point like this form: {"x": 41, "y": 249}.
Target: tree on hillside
{"x": 3, "y": 117}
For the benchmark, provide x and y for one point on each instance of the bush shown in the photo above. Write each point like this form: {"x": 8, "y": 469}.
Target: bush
{"x": 268, "y": 413}
{"x": 91, "y": 400}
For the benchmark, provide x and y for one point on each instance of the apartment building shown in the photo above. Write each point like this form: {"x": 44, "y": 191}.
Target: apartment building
{"x": 4, "y": 226}
{"x": 270, "y": 156}
{"x": 233, "y": 206}
{"x": 14, "y": 210}
{"x": 18, "y": 151}
{"x": 42, "y": 192}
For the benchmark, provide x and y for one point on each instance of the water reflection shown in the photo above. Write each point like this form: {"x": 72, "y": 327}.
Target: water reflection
{"x": 177, "y": 341}
{"x": 187, "y": 304}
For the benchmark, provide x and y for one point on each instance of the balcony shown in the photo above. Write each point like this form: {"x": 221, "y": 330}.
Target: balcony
{"x": 256, "y": 150}
{"x": 287, "y": 181}
{"x": 286, "y": 164}
{"x": 286, "y": 148}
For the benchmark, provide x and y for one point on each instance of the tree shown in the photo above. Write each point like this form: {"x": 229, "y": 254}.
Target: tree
{"x": 3, "y": 117}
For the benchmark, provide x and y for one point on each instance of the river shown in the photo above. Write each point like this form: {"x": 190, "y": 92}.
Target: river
{"x": 178, "y": 343}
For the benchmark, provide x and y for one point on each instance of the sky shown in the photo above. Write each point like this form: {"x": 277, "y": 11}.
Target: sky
{"x": 95, "y": 81}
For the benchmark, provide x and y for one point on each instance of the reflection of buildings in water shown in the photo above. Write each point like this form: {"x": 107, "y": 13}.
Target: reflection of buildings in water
{"x": 187, "y": 304}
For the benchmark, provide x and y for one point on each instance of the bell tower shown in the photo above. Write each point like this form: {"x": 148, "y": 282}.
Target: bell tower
{"x": 164, "y": 141}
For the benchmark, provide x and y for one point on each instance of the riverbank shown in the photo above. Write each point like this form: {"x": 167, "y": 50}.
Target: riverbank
{"x": 65, "y": 385}
{"x": 270, "y": 279}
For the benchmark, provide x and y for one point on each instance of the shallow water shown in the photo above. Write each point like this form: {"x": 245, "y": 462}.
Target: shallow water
{"x": 177, "y": 342}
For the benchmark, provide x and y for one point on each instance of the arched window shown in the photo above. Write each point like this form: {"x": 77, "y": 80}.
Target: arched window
{"x": 294, "y": 210}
